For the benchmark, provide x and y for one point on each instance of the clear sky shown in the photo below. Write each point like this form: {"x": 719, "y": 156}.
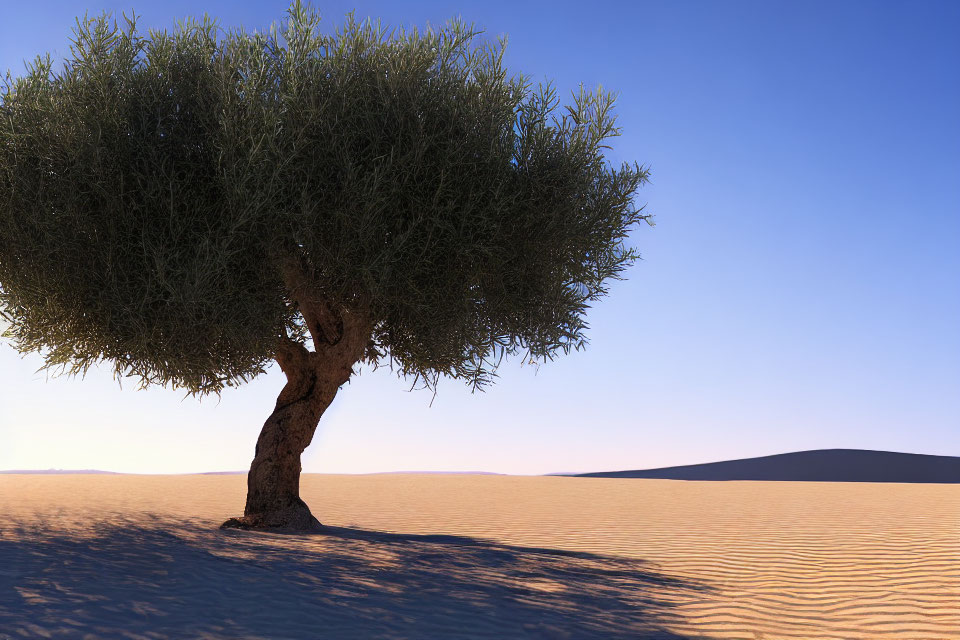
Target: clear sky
{"x": 801, "y": 289}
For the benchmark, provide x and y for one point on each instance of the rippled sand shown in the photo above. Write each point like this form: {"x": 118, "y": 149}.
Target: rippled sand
{"x": 427, "y": 556}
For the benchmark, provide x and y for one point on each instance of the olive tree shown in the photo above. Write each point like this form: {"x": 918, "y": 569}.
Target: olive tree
{"x": 192, "y": 205}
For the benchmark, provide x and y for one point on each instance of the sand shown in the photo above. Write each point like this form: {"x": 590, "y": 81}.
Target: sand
{"x": 427, "y": 556}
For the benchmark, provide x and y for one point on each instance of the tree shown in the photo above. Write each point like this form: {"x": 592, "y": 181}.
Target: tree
{"x": 192, "y": 205}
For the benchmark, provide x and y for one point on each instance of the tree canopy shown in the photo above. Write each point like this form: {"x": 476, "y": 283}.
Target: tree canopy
{"x": 152, "y": 188}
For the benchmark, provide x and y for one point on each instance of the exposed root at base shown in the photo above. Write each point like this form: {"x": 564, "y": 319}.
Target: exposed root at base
{"x": 289, "y": 521}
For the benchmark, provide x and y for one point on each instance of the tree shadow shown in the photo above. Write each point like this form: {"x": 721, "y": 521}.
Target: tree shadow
{"x": 174, "y": 580}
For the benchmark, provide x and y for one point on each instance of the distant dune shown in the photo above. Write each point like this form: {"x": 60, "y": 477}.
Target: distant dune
{"x": 823, "y": 465}
{"x": 59, "y": 471}
{"x": 435, "y": 473}
{"x": 62, "y": 472}
{"x": 235, "y": 473}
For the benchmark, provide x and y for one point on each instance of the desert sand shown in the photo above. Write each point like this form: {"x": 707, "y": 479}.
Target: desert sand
{"x": 428, "y": 556}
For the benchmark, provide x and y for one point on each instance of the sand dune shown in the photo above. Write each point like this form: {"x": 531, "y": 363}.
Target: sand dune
{"x": 434, "y": 556}
{"x": 49, "y": 472}
{"x": 823, "y": 465}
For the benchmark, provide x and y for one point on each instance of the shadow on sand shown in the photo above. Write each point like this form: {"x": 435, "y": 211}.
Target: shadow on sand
{"x": 171, "y": 580}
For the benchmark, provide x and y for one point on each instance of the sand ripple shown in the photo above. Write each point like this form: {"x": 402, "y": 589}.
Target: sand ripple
{"x": 481, "y": 557}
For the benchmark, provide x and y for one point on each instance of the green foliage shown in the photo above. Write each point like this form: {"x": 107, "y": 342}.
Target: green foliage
{"x": 151, "y": 187}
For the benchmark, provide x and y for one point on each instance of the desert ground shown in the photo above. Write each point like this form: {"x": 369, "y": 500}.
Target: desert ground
{"x": 449, "y": 556}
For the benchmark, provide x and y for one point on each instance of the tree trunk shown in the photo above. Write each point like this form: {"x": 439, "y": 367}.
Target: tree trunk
{"x": 273, "y": 482}
{"x": 313, "y": 378}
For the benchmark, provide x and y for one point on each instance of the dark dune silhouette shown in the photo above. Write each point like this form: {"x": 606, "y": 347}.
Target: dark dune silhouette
{"x": 823, "y": 465}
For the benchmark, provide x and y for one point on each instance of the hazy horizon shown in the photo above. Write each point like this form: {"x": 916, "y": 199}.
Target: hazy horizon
{"x": 703, "y": 463}
{"x": 800, "y": 291}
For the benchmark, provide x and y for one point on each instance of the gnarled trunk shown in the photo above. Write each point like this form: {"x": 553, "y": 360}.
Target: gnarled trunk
{"x": 273, "y": 483}
{"x": 313, "y": 378}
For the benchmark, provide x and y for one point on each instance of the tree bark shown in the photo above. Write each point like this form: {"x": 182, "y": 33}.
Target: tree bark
{"x": 313, "y": 379}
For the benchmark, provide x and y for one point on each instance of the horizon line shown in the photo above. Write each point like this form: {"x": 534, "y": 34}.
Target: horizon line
{"x": 55, "y": 471}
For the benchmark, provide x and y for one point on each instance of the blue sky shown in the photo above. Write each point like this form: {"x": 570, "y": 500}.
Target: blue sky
{"x": 801, "y": 288}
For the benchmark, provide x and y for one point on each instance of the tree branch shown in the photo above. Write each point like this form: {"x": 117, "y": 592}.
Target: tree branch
{"x": 324, "y": 323}
{"x": 292, "y": 356}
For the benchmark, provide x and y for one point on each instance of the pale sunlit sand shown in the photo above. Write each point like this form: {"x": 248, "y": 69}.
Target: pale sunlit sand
{"x": 427, "y": 556}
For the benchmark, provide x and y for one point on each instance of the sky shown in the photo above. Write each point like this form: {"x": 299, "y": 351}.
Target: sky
{"x": 801, "y": 288}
